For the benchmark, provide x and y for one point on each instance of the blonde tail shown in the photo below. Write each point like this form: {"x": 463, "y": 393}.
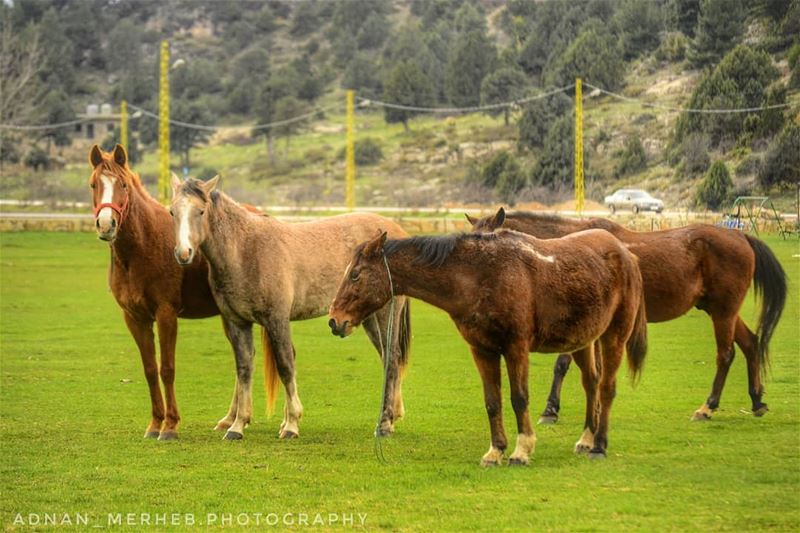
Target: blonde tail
{"x": 270, "y": 373}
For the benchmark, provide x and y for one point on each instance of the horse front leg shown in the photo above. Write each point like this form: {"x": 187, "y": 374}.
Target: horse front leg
{"x": 280, "y": 339}
{"x": 517, "y": 365}
{"x": 488, "y": 364}
{"x": 377, "y": 329}
{"x": 142, "y": 333}
{"x": 723, "y": 333}
{"x": 585, "y": 360}
{"x": 241, "y": 337}
{"x": 560, "y": 368}
{"x": 227, "y": 421}
{"x": 167, "y": 322}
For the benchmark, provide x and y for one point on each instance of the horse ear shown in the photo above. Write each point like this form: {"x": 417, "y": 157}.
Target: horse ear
{"x": 471, "y": 220}
{"x": 176, "y": 183}
{"x": 374, "y": 247}
{"x": 499, "y": 218}
{"x": 211, "y": 184}
{"x": 95, "y": 156}
{"x": 120, "y": 155}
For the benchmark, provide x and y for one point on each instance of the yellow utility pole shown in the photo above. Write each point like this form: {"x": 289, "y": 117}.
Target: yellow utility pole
{"x": 350, "y": 164}
{"x": 163, "y": 126}
{"x": 123, "y": 124}
{"x": 579, "y": 191}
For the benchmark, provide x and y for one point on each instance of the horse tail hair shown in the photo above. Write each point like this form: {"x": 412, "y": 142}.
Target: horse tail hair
{"x": 270, "y": 372}
{"x": 769, "y": 282}
{"x": 636, "y": 346}
{"x": 404, "y": 336}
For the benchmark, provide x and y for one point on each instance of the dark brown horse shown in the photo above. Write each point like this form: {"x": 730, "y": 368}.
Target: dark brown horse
{"x": 510, "y": 294}
{"x": 701, "y": 266}
{"x": 146, "y": 281}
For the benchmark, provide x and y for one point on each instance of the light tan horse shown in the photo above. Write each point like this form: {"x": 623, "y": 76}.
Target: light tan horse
{"x": 262, "y": 271}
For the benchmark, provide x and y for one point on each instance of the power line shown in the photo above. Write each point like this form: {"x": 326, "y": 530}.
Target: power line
{"x": 685, "y": 109}
{"x": 268, "y": 125}
{"x": 472, "y": 109}
{"x": 23, "y": 127}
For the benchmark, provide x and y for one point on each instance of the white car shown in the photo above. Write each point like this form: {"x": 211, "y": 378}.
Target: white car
{"x": 634, "y": 199}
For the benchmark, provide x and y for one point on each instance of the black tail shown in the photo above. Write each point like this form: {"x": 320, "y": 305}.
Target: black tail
{"x": 404, "y": 335}
{"x": 769, "y": 282}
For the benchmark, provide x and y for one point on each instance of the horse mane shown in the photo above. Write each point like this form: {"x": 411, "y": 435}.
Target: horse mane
{"x": 593, "y": 223}
{"x": 124, "y": 173}
{"x": 539, "y": 217}
{"x": 434, "y": 250}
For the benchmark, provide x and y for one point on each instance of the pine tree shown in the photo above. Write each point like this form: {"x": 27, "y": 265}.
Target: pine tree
{"x": 720, "y": 26}
{"x": 406, "y": 85}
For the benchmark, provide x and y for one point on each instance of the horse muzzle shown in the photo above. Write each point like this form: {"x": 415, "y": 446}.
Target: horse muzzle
{"x": 106, "y": 229}
{"x": 184, "y": 256}
{"x": 342, "y": 330}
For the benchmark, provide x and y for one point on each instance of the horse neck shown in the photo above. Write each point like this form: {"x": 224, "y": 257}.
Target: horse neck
{"x": 226, "y": 219}
{"x": 544, "y": 228}
{"x": 140, "y": 228}
{"x": 436, "y": 285}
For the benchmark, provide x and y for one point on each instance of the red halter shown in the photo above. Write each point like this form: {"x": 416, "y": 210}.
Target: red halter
{"x": 120, "y": 209}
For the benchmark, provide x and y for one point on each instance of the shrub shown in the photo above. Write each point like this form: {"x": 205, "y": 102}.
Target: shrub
{"x": 781, "y": 164}
{"x": 37, "y": 159}
{"x": 695, "y": 154}
{"x": 673, "y": 47}
{"x": 715, "y": 189}
{"x": 367, "y": 152}
{"x": 633, "y": 157}
{"x": 503, "y": 174}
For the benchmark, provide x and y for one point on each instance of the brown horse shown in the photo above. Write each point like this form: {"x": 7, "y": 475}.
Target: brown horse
{"x": 510, "y": 294}
{"x": 144, "y": 278}
{"x": 701, "y": 266}
{"x": 263, "y": 271}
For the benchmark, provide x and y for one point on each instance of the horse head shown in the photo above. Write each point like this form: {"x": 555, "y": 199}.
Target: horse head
{"x": 110, "y": 182}
{"x": 365, "y": 287}
{"x": 190, "y": 200}
{"x": 489, "y": 223}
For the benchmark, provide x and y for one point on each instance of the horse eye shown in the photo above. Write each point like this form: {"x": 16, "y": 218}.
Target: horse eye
{"x": 93, "y": 186}
{"x": 171, "y": 213}
{"x": 202, "y": 212}
{"x": 354, "y": 275}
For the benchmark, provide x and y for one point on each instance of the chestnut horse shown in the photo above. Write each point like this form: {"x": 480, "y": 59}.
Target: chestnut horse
{"x": 144, "y": 278}
{"x": 266, "y": 272}
{"x": 700, "y": 266}
{"x": 510, "y": 294}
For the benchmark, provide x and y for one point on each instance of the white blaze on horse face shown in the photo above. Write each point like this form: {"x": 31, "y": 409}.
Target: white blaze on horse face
{"x": 546, "y": 258}
{"x": 104, "y": 216}
{"x": 184, "y": 230}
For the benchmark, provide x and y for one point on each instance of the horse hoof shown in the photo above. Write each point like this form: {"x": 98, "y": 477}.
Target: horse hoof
{"x": 385, "y": 431}
{"x": 518, "y": 461}
{"x": 547, "y": 420}
{"x": 597, "y": 454}
{"x": 233, "y": 435}
{"x": 286, "y": 435}
{"x": 701, "y": 416}
{"x": 580, "y": 448}
{"x": 761, "y": 411}
{"x": 221, "y": 426}
{"x": 168, "y": 435}
{"x": 489, "y": 463}
{"x": 151, "y": 434}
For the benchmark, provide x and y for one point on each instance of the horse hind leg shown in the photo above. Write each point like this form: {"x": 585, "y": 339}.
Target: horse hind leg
{"x": 560, "y": 368}
{"x": 517, "y": 364}
{"x": 143, "y": 336}
{"x": 280, "y": 338}
{"x": 585, "y": 360}
{"x": 723, "y": 333}
{"x": 611, "y": 351}
{"x": 748, "y": 343}
{"x": 489, "y": 368}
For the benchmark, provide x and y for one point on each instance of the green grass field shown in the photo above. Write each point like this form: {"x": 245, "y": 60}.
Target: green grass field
{"x": 74, "y": 407}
